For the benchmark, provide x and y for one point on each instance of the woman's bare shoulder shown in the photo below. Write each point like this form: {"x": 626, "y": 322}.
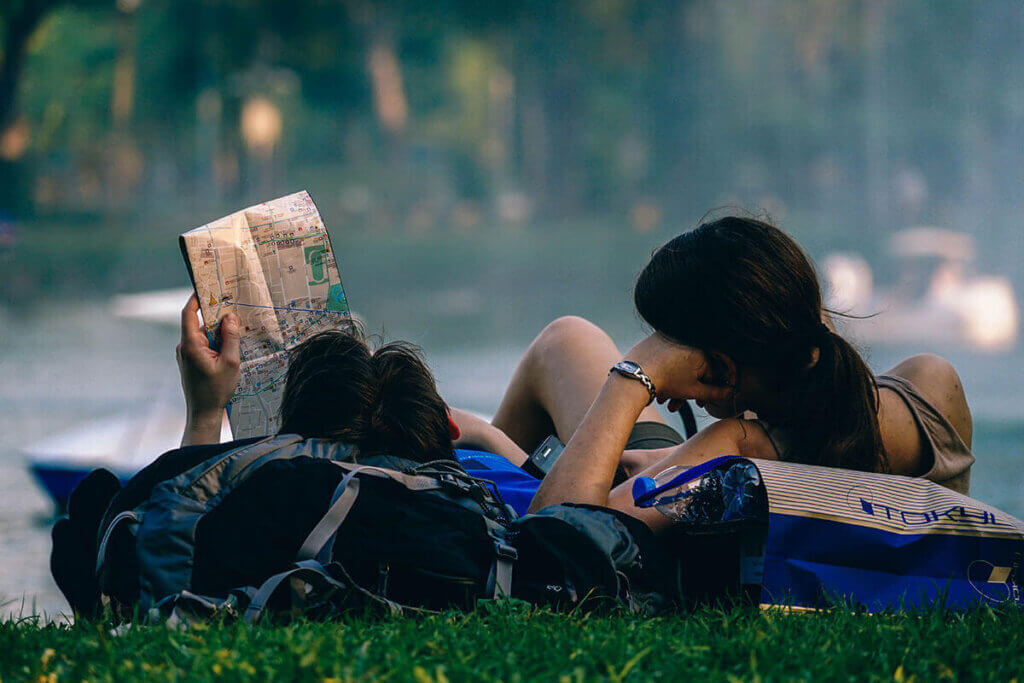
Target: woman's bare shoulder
{"x": 938, "y": 382}
{"x": 750, "y": 437}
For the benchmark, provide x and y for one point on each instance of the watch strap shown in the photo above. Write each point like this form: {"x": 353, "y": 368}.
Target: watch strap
{"x": 633, "y": 371}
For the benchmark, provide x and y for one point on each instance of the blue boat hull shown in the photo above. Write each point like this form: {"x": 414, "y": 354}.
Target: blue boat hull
{"x": 60, "y": 481}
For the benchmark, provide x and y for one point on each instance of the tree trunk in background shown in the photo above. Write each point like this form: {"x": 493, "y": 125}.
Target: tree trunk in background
{"x": 550, "y": 117}
{"x": 531, "y": 141}
{"x": 384, "y": 72}
{"x": 876, "y": 165}
{"x": 669, "y": 117}
{"x": 561, "y": 111}
{"x": 389, "y": 102}
{"x": 18, "y": 28}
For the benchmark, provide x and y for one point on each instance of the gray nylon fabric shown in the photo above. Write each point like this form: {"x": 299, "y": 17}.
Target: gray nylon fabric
{"x": 165, "y": 538}
{"x": 323, "y": 532}
{"x": 320, "y": 540}
{"x": 607, "y": 532}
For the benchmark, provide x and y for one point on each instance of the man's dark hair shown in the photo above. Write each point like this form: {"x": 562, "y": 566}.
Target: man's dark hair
{"x": 384, "y": 402}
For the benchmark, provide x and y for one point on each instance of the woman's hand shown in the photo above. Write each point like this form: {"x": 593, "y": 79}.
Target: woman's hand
{"x": 679, "y": 372}
{"x": 208, "y": 377}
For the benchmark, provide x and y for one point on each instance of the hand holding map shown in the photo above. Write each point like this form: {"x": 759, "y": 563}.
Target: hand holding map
{"x": 273, "y": 267}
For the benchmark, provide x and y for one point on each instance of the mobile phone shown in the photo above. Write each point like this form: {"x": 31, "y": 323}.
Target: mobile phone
{"x": 544, "y": 456}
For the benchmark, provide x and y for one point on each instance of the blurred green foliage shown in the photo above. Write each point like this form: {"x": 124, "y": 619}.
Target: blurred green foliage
{"x": 843, "y": 118}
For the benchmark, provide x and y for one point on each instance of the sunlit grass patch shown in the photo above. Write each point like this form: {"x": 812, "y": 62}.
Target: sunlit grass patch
{"x": 514, "y": 642}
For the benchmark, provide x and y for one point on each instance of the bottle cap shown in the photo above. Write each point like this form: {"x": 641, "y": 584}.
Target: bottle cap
{"x": 641, "y": 485}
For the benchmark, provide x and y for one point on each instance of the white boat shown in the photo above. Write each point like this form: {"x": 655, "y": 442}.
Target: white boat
{"x": 938, "y": 299}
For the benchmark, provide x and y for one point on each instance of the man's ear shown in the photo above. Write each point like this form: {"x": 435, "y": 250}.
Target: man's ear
{"x": 453, "y": 428}
{"x": 723, "y": 369}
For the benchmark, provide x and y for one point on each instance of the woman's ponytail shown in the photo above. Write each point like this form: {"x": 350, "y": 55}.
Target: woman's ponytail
{"x": 833, "y": 407}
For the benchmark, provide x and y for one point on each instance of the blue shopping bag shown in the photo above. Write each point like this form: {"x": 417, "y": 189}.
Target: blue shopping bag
{"x": 882, "y": 541}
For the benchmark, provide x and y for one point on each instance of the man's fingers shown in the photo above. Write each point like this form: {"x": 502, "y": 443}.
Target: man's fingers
{"x": 230, "y": 349}
{"x": 190, "y": 328}
{"x": 191, "y": 307}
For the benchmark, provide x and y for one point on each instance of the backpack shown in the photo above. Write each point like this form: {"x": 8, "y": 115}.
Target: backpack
{"x": 293, "y": 526}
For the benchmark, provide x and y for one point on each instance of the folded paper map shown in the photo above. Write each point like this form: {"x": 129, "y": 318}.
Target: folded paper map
{"x": 271, "y": 265}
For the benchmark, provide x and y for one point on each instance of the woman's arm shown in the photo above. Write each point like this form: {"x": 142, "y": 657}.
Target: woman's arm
{"x": 732, "y": 436}
{"x": 478, "y": 433}
{"x": 208, "y": 377}
{"x": 586, "y": 468}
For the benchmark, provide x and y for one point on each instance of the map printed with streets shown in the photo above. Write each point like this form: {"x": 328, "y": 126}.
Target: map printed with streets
{"x": 273, "y": 266}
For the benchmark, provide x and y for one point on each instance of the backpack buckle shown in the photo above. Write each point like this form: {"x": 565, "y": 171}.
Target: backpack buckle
{"x": 506, "y": 552}
{"x": 456, "y": 483}
{"x": 505, "y": 557}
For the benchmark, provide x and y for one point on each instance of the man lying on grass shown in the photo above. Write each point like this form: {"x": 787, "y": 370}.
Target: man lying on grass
{"x": 382, "y": 402}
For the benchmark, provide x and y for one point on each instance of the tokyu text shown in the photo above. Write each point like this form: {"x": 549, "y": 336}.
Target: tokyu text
{"x": 956, "y": 513}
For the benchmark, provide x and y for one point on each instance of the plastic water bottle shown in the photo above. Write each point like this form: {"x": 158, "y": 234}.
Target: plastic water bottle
{"x": 742, "y": 492}
{"x": 719, "y": 495}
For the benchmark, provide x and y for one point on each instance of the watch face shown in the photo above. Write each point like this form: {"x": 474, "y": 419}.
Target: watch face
{"x": 630, "y": 367}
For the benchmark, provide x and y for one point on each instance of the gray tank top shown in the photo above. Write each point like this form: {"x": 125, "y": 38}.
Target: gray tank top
{"x": 946, "y": 459}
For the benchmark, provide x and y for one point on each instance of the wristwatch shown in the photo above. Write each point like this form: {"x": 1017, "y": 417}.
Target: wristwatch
{"x": 628, "y": 368}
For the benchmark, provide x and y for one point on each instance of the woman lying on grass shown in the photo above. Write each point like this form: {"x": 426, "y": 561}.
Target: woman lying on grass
{"x": 738, "y": 325}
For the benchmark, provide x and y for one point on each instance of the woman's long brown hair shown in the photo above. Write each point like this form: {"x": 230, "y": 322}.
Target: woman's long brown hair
{"x": 744, "y": 288}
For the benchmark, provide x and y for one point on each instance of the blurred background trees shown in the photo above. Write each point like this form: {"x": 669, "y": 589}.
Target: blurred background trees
{"x": 844, "y": 119}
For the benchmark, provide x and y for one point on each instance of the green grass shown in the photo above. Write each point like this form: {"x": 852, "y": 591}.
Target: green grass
{"x": 505, "y": 641}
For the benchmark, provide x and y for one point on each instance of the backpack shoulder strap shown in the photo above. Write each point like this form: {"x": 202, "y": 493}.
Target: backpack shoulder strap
{"x": 319, "y": 544}
{"x": 119, "y": 518}
{"x": 310, "y": 578}
{"x": 320, "y": 541}
{"x": 206, "y": 480}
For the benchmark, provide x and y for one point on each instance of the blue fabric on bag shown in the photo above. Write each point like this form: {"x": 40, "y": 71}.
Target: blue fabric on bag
{"x": 515, "y": 485}
{"x": 810, "y": 561}
{"x": 882, "y": 541}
